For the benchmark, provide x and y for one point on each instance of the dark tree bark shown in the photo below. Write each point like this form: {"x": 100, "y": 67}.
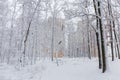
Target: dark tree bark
{"x": 102, "y": 38}
{"x": 98, "y": 46}
{"x": 116, "y": 39}
{"x": 111, "y": 30}
{"x": 97, "y": 5}
{"x": 97, "y": 35}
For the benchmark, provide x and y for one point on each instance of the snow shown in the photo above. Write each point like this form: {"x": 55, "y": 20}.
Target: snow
{"x": 8, "y": 72}
{"x": 82, "y": 69}
{"x": 68, "y": 69}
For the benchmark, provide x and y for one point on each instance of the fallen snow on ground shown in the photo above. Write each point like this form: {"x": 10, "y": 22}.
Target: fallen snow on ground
{"x": 31, "y": 72}
{"x": 81, "y": 69}
{"x": 68, "y": 69}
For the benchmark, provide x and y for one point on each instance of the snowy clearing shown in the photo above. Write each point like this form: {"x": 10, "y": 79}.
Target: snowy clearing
{"x": 32, "y": 72}
{"x": 68, "y": 69}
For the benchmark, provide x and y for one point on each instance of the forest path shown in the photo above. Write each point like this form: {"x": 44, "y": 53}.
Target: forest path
{"x": 68, "y": 69}
{"x": 81, "y": 69}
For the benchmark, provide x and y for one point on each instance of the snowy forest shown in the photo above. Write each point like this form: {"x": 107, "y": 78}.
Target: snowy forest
{"x": 59, "y": 39}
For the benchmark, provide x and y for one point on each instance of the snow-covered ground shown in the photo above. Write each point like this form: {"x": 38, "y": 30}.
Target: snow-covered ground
{"x": 68, "y": 69}
{"x": 32, "y": 72}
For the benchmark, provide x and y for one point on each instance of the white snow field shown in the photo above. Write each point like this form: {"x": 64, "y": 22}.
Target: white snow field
{"x": 68, "y": 69}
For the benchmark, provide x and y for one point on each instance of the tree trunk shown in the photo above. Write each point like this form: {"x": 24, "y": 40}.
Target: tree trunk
{"x": 97, "y": 35}
{"x": 102, "y": 38}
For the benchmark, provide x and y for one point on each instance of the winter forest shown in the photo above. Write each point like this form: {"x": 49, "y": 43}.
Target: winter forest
{"x": 59, "y": 39}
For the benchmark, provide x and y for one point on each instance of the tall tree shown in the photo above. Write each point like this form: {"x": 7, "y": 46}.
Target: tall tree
{"x": 98, "y": 11}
